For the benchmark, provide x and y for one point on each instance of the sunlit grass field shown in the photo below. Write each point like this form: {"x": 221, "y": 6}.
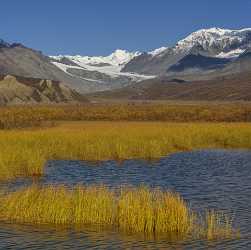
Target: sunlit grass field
{"x": 25, "y": 152}
{"x": 35, "y": 116}
{"x": 139, "y": 210}
{"x": 29, "y": 139}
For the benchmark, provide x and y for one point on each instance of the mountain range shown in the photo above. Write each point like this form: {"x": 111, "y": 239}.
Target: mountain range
{"x": 204, "y": 56}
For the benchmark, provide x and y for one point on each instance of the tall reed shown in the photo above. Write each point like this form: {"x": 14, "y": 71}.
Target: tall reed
{"x": 132, "y": 210}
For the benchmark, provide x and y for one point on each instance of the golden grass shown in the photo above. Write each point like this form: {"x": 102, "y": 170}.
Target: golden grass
{"x": 132, "y": 210}
{"x": 144, "y": 211}
{"x": 32, "y": 116}
{"x": 25, "y": 152}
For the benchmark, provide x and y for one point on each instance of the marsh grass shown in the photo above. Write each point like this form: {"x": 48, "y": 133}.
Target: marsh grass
{"x": 42, "y": 116}
{"x": 137, "y": 210}
{"x": 25, "y": 152}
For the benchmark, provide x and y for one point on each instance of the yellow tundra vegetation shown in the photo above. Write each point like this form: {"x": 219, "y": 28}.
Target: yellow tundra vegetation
{"x": 131, "y": 210}
{"x": 25, "y": 152}
{"x": 35, "y": 116}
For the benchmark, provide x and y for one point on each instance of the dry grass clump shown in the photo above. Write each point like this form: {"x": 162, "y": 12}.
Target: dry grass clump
{"x": 25, "y": 152}
{"x": 133, "y": 210}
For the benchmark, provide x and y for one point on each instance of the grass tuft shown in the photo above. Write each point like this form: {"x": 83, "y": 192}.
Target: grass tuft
{"x": 140, "y": 210}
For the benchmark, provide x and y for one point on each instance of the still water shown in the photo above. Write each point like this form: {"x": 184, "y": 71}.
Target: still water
{"x": 212, "y": 179}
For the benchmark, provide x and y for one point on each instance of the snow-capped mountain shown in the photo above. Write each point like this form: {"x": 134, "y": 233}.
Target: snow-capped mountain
{"x": 104, "y": 70}
{"x": 229, "y": 43}
{"x": 216, "y": 40}
{"x": 122, "y": 67}
{"x": 213, "y": 42}
{"x": 117, "y": 58}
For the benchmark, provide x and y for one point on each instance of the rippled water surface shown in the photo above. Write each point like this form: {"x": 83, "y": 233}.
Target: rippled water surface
{"x": 206, "y": 179}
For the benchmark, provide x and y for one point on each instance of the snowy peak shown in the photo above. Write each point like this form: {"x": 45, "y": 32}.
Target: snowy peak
{"x": 117, "y": 58}
{"x": 104, "y": 71}
{"x": 216, "y": 39}
{"x": 158, "y": 51}
{"x": 210, "y": 43}
{"x": 120, "y": 57}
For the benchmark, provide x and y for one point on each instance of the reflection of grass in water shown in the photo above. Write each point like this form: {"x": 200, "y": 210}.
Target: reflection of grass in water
{"x": 25, "y": 152}
{"x": 131, "y": 210}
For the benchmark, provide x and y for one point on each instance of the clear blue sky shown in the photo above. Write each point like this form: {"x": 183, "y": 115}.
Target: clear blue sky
{"x": 97, "y": 27}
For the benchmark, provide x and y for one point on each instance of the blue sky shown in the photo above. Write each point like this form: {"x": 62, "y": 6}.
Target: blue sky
{"x": 98, "y": 27}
